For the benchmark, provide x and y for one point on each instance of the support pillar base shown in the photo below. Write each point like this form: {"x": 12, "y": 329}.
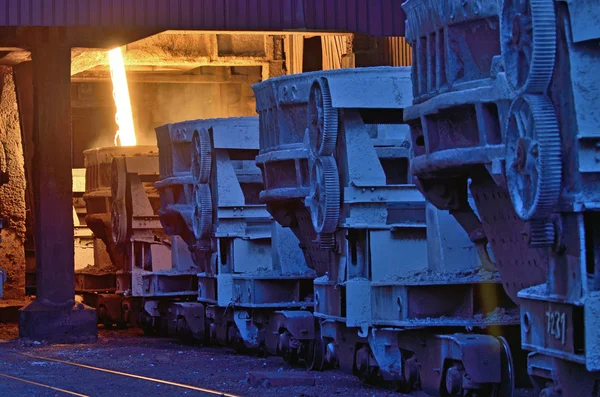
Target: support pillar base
{"x": 77, "y": 324}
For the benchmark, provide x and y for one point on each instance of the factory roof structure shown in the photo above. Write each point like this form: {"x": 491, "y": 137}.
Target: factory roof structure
{"x": 373, "y": 17}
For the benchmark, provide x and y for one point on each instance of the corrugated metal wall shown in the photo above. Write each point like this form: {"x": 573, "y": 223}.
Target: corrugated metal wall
{"x": 168, "y": 14}
{"x": 334, "y": 48}
{"x": 396, "y": 51}
{"x": 375, "y": 17}
{"x": 294, "y": 53}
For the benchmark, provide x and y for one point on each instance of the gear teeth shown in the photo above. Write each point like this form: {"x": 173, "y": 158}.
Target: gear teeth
{"x": 326, "y": 241}
{"x": 548, "y": 136}
{"x": 323, "y": 138}
{"x": 541, "y": 234}
{"x": 549, "y": 177}
{"x": 202, "y": 219}
{"x": 203, "y": 245}
{"x": 325, "y": 195}
{"x": 543, "y": 46}
{"x": 201, "y": 156}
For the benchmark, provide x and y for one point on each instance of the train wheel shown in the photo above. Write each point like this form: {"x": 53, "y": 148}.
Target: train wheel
{"x": 287, "y": 348}
{"x": 235, "y": 340}
{"x": 290, "y": 357}
{"x": 366, "y": 372}
{"x": 263, "y": 352}
{"x": 146, "y": 324}
{"x": 550, "y": 392}
{"x": 183, "y": 331}
{"x": 315, "y": 353}
{"x": 208, "y": 332}
{"x": 104, "y": 318}
{"x": 410, "y": 368}
{"x": 506, "y": 388}
{"x": 125, "y": 318}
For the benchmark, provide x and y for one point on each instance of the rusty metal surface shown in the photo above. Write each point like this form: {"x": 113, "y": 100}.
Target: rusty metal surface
{"x": 375, "y": 17}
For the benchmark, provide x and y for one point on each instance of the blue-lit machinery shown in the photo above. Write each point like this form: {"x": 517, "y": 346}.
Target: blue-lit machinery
{"x": 252, "y": 275}
{"x": 398, "y": 283}
{"x": 159, "y": 269}
{"x": 326, "y": 252}
{"x": 98, "y": 284}
{"x": 506, "y": 107}
{"x": 122, "y": 210}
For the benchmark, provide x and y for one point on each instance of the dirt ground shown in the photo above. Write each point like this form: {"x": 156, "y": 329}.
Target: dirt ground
{"x": 129, "y": 351}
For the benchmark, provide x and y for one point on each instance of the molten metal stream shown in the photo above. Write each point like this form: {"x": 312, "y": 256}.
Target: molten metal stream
{"x": 125, "y": 136}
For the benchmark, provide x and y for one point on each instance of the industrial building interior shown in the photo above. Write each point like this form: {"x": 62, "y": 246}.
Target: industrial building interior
{"x": 171, "y": 76}
{"x": 299, "y": 197}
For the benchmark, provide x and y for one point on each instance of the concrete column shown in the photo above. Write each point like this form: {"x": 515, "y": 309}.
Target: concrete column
{"x": 53, "y": 316}
{"x": 52, "y": 185}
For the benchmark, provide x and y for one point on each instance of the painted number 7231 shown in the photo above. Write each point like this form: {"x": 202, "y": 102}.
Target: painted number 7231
{"x": 557, "y": 325}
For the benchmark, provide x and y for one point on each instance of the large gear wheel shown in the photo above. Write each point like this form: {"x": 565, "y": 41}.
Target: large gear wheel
{"x": 528, "y": 43}
{"x": 322, "y": 119}
{"x": 201, "y": 156}
{"x": 203, "y": 212}
{"x": 119, "y": 217}
{"x": 533, "y": 157}
{"x": 324, "y": 199}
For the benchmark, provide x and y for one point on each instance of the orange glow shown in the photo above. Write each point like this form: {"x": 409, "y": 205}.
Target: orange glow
{"x": 125, "y": 135}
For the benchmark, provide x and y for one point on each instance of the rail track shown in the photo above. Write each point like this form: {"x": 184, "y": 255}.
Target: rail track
{"x": 71, "y": 393}
{"x": 53, "y": 385}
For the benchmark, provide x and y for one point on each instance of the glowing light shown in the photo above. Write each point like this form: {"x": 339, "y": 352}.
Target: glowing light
{"x": 126, "y": 133}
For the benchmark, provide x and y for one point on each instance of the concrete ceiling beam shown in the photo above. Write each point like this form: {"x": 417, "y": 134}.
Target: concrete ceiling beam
{"x": 139, "y": 69}
{"x": 104, "y": 77}
{"x": 13, "y": 58}
{"x": 87, "y": 60}
{"x": 257, "y": 32}
{"x": 146, "y": 57}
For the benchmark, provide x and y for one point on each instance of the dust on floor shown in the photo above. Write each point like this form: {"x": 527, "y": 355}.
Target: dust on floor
{"x": 128, "y": 351}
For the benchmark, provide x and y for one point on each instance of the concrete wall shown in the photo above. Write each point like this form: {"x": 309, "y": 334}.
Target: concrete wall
{"x": 155, "y": 104}
{"x": 12, "y": 195}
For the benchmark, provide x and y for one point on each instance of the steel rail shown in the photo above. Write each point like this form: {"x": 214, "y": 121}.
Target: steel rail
{"x": 164, "y": 382}
{"x": 43, "y": 385}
